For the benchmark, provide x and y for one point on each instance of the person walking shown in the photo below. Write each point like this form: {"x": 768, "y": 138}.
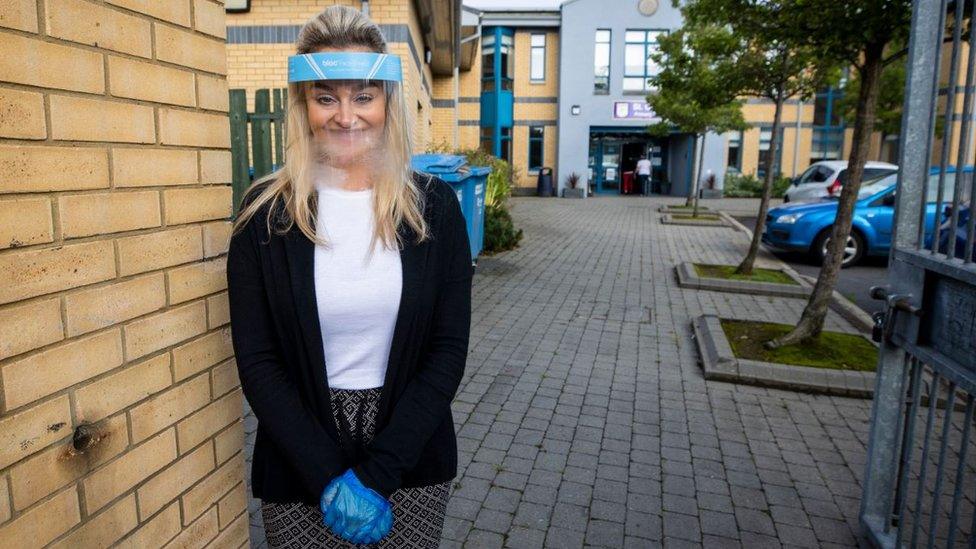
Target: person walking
{"x": 349, "y": 281}
{"x": 643, "y": 174}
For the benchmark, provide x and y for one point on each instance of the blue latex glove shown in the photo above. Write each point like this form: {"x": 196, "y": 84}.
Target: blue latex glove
{"x": 355, "y": 512}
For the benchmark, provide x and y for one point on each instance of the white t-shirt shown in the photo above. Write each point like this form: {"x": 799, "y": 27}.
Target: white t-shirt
{"x": 643, "y": 167}
{"x": 357, "y": 297}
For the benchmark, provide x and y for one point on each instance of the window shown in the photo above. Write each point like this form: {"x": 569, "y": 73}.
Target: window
{"x": 828, "y": 127}
{"x": 536, "y": 147}
{"x": 734, "y": 159}
{"x": 639, "y": 46}
{"x": 815, "y": 174}
{"x": 485, "y": 140}
{"x": 506, "y": 145}
{"x": 601, "y": 62}
{"x": 537, "y": 58}
{"x": 508, "y": 62}
{"x": 765, "y": 145}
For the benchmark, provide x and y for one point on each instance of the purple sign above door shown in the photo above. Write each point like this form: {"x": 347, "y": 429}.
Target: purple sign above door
{"x": 633, "y": 110}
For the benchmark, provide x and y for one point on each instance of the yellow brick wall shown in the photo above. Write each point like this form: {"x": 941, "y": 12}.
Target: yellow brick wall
{"x": 113, "y": 309}
{"x": 535, "y": 112}
{"x": 256, "y": 66}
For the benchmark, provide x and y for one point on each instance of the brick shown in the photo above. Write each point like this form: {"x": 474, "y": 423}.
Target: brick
{"x": 94, "y": 25}
{"x": 33, "y": 62}
{"x": 45, "y": 522}
{"x": 197, "y": 280}
{"x": 161, "y": 330}
{"x": 19, "y": 14}
{"x": 174, "y": 11}
{"x": 224, "y": 378}
{"x": 229, "y": 442}
{"x": 4, "y": 501}
{"x": 130, "y": 469}
{"x": 39, "y": 169}
{"x": 161, "y": 249}
{"x": 234, "y": 535}
{"x": 200, "y": 204}
{"x": 71, "y": 119}
{"x": 215, "y": 167}
{"x": 42, "y": 374}
{"x": 195, "y": 429}
{"x": 141, "y": 167}
{"x": 216, "y": 238}
{"x": 212, "y": 93}
{"x": 34, "y": 429}
{"x": 193, "y": 129}
{"x": 185, "y": 48}
{"x": 197, "y": 534}
{"x": 38, "y": 272}
{"x": 103, "y": 529}
{"x": 17, "y": 336}
{"x": 232, "y": 505}
{"x": 201, "y": 353}
{"x": 105, "y": 213}
{"x": 210, "y": 490}
{"x": 150, "y": 82}
{"x": 39, "y": 476}
{"x": 168, "y": 407}
{"x": 210, "y": 18}
{"x": 218, "y": 310}
{"x": 22, "y": 114}
{"x": 89, "y": 310}
{"x": 156, "y": 531}
{"x": 163, "y": 488}
{"x": 25, "y": 222}
{"x": 118, "y": 391}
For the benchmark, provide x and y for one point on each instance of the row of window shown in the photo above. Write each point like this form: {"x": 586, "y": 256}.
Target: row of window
{"x": 506, "y": 52}
{"x": 536, "y": 145}
{"x": 827, "y": 145}
{"x": 639, "y": 66}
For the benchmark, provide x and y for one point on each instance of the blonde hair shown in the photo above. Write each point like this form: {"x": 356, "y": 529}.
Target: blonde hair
{"x": 290, "y": 191}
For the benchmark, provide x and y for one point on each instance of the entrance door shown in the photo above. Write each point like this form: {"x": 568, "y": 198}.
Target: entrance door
{"x": 919, "y": 477}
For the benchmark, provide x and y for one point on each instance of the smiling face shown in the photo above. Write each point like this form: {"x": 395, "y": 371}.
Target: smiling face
{"x": 347, "y": 119}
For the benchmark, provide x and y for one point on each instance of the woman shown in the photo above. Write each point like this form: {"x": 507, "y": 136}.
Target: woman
{"x": 350, "y": 294}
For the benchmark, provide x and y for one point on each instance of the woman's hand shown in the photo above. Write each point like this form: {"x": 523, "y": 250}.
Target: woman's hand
{"x": 355, "y": 512}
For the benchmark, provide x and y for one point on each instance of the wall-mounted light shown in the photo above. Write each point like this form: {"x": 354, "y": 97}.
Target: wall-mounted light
{"x": 574, "y": 110}
{"x": 427, "y": 56}
{"x": 237, "y": 6}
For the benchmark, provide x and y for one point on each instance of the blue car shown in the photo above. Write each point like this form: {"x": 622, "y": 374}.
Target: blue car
{"x": 805, "y": 226}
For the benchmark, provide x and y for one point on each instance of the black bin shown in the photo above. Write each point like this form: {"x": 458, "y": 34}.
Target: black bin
{"x": 543, "y": 185}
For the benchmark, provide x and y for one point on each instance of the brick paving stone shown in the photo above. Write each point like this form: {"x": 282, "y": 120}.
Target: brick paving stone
{"x": 582, "y": 385}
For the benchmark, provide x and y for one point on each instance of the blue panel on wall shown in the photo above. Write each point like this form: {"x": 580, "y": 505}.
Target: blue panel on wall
{"x": 505, "y": 108}
{"x": 488, "y": 103}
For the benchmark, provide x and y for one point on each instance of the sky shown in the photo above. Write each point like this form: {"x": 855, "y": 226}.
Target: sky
{"x": 512, "y": 4}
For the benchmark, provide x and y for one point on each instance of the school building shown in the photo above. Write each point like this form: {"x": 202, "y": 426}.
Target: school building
{"x": 560, "y": 87}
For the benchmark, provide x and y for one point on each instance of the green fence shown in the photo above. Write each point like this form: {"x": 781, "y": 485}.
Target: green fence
{"x": 256, "y": 138}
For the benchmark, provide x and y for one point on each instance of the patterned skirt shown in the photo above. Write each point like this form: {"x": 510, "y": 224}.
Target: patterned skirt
{"x": 418, "y": 513}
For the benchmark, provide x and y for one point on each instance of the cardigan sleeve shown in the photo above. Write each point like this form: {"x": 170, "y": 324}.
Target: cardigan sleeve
{"x": 420, "y": 409}
{"x": 271, "y": 392}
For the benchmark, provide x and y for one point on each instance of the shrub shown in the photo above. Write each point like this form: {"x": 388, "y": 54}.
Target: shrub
{"x": 500, "y": 232}
{"x": 749, "y": 186}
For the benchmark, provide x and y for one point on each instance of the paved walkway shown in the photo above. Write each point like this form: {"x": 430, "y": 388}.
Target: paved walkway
{"x": 583, "y": 418}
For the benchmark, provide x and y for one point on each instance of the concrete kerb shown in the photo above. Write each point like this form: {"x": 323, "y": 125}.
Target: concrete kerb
{"x": 723, "y": 221}
{"x": 689, "y": 278}
{"x": 678, "y": 209}
{"x": 858, "y": 318}
{"x": 720, "y": 363}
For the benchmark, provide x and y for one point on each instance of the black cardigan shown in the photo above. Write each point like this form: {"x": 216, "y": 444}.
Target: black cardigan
{"x": 278, "y": 345}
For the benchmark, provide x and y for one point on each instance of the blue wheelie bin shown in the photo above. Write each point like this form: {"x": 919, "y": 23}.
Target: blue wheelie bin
{"x": 469, "y": 185}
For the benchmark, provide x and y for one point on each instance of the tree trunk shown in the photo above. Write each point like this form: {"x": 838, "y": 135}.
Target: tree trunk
{"x": 745, "y": 268}
{"x": 691, "y": 187}
{"x": 701, "y": 166}
{"x": 812, "y": 320}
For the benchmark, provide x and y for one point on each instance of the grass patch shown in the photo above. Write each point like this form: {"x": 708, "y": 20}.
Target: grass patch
{"x": 831, "y": 350}
{"x": 682, "y": 207}
{"x": 727, "y": 272}
{"x": 700, "y": 217}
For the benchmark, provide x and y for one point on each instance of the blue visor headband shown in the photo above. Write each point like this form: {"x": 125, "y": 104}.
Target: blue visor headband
{"x": 344, "y": 66}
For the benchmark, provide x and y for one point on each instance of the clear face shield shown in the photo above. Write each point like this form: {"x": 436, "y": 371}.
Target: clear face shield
{"x": 346, "y": 96}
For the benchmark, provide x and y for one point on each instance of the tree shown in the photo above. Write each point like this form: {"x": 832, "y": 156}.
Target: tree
{"x": 891, "y": 98}
{"x": 694, "y": 91}
{"x": 767, "y": 64}
{"x": 866, "y": 34}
